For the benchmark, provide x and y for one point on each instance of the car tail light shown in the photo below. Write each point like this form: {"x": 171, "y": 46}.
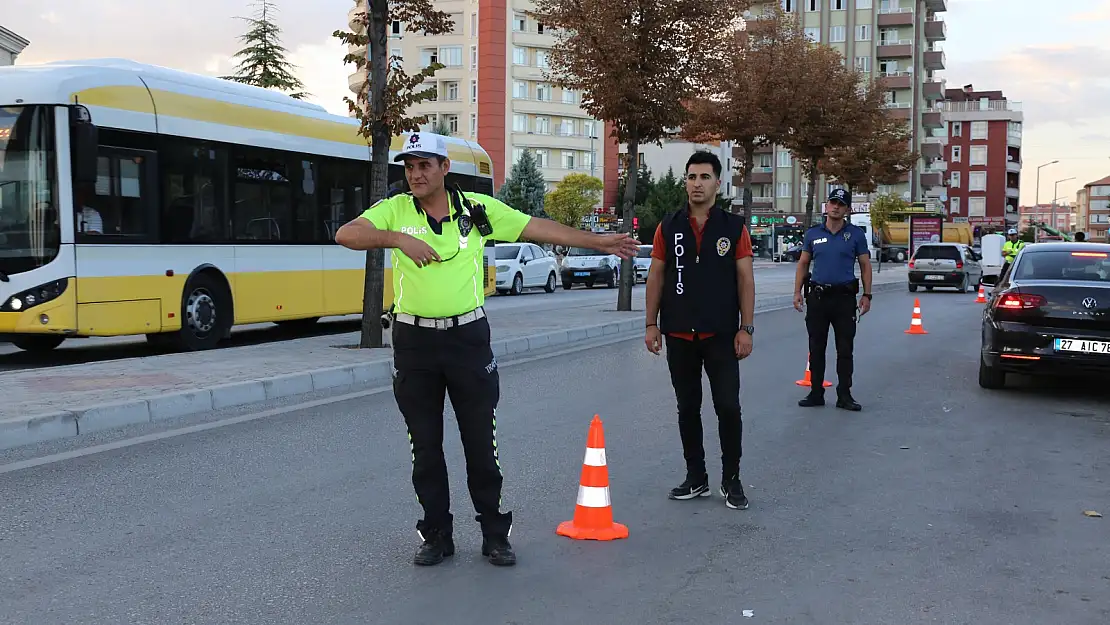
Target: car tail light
{"x": 1090, "y": 254}
{"x": 911, "y": 263}
{"x": 1020, "y": 301}
{"x": 959, "y": 265}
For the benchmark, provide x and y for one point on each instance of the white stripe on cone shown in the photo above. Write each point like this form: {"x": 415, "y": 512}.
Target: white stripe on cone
{"x": 594, "y": 457}
{"x": 593, "y": 496}
{"x": 915, "y": 322}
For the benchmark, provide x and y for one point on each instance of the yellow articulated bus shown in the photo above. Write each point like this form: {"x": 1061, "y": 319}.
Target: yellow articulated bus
{"x": 139, "y": 200}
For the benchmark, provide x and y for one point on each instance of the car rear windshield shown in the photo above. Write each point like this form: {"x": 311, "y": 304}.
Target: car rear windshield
{"x": 645, "y": 252}
{"x": 1063, "y": 265}
{"x": 937, "y": 252}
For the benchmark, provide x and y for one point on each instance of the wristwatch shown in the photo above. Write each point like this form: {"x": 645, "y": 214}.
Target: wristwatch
{"x": 867, "y": 295}
{"x": 749, "y": 329}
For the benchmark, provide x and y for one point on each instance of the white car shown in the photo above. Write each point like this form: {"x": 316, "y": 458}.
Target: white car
{"x": 589, "y": 267}
{"x": 524, "y": 266}
{"x": 642, "y": 263}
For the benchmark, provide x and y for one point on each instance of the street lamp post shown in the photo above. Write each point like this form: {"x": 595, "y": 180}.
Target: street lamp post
{"x": 1056, "y": 194}
{"x": 1037, "y": 201}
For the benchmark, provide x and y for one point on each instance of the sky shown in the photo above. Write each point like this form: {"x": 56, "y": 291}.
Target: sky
{"x": 1053, "y": 58}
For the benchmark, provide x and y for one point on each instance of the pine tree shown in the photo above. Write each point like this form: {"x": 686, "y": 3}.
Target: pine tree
{"x": 525, "y": 187}
{"x": 263, "y": 62}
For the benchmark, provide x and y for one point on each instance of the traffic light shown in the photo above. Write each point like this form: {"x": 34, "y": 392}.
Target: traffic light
{"x": 636, "y": 223}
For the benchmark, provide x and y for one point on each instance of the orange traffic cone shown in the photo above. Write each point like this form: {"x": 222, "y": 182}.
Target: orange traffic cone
{"x": 808, "y": 380}
{"x": 593, "y": 514}
{"x": 982, "y": 299}
{"x": 915, "y": 321}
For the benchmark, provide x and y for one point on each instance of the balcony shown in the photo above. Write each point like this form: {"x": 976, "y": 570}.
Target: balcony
{"x": 933, "y": 89}
{"x": 932, "y": 178}
{"x": 895, "y": 49}
{"x": 556, "y": 140}
{"x": 897, "y": 80}
{"x": 1013, "y": 139}
{"x": 934, "y": 59}
{"x": 1012, "y": 192}
{"x": 357, "y": 81}
{"x": 353, "y": 21}
{"x": 1013, "y": 167}
{"x": 935, "y": 30}
{"x": 532, "y": 38}
{"x": 937, "y": 139}
{"x": 931, "y": 119}
{"x": 762, "y": 201}
{"x": 939, "y": 6}
{"x": 528, "y": 72}
{"x": 898, "y": 110}
{"x": 940, "y": 165}
{"x": 991, "y": 110}
{"x": 896, "y": 17}
{"x": 931, "y": 150}
{"x": 552, "y": 107}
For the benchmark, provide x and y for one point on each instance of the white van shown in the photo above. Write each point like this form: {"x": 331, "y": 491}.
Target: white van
{"x": 991, "y": 250}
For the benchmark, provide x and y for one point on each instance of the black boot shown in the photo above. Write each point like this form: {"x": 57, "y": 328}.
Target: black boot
{"x": 438, "y": 544}
{"x": 815, "y": 398}
{"x": 495, "y": 539}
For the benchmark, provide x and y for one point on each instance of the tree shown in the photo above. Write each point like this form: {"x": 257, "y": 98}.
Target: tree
{"x": 573, "y": 198}
{"x": 835, "y": 105}
{"x": 667, "y": 195}
{"x": 882, "y": 156}
{"x": 643, "y": 185}
{"x": 381, "y": 107}
{"x": 263, "y": 62}
{"x": 882, "y": 207}
{"x": 635, "y": 63}
{"x": 750, "y": 97}
{"x": 441, "y": 127}
{"x": 524, "y": 188}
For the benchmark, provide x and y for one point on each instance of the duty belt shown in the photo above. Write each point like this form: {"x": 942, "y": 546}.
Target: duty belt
{"x": 845, "y": 288}
{"x": 441, "y": 323}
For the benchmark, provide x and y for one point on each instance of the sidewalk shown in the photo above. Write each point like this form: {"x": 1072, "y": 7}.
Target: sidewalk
{"x": 60, "y": 402}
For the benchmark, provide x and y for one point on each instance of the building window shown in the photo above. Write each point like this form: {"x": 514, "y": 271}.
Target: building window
{"x": 863, "y": 64}
{"x": 955, "y": 209}
{"x": 813, "y": 34}
{"x": 520, "y": 90}
{"x": 429, "y": 56}
{"x": 435, "y": 91}
{"x": 957, "y": 129}
{"x": 956, "y": 153}
{"x": 784, "y": 189}
{"x": 837, "y": 5}
{"x": 568, "y": 160}
{"x": 453, "y": 124}
{"x": 452, "y": 92}
{"x": 543, "y": 93}
{"x": 785, "y": 161}
{"x": 888, "y": 36}
{"x": 978, "y": 155}
{"x": 566, "y": 128}
{"x": 788, "y": 5}
{"x": 396, "y": 60}
{"x": 569, "y": 96}
{"x": 588, "y": 128}
{"x": 395, "y": 28}
{"x": 541, "y": 58}
{"x": 863, "y": 4}
{"x": 473, "y": 91}
{"x": 517, "y": 153}
{"x": 978, "y": 130}
{"x": 888, "y": 68}
{"x": 520, "y": 22}
{"x": 977, "y": 181}
{"x": 543, "y": 125}
{"x": 451, "y": 56}
{"x": 456, "y": 23}
{"x": 863, "y": 32}
{"x": 976, "y": 207}
{"x": 541, "y": 158}
{"x": 813, "y": 6}
{"x": 473, "y": 57}
{"x": 1100, "y": 191}
{"x": 520, "y": 56}
{"x": 473, "y": 24}
{"x": 520, "y": 123}
{"x": 473, "y": 124}
{"x": 955, "y": 181}
{"x": 836, "y": 34}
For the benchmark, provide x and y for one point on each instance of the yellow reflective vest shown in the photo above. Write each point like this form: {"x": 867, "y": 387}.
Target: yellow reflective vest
{"x": 1010, "y": 249}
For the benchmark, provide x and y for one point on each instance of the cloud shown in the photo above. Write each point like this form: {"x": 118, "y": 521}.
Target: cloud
{"x": 1100, "y": 13}
{"x": 1055, "y": 83}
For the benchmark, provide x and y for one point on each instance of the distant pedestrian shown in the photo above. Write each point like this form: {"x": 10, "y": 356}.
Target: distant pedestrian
{"x": 835, "y": 246}
{"x": 701, "y": 294}
{"x": 441, "y": 337}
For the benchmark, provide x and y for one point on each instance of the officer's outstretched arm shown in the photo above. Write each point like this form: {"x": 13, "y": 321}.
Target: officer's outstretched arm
{"x": 360, "y": 234}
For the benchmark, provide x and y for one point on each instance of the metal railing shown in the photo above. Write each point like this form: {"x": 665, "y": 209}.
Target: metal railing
{"x": 976, "y": 105}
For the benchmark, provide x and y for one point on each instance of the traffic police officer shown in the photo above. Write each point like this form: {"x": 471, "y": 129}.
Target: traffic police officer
{"x": 835, "y": 247}
{"x": 1011, "y": 248}
{"x": 441, "y": 337}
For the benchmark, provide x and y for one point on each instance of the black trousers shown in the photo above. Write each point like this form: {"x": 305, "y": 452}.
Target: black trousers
{"x": 459, "y": 362}
{"x": 686, "y": 359}
{"x": 839, "y": 312}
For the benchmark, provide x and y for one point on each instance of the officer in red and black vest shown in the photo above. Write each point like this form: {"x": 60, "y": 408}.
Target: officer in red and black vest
{"x": 701, "y": 294}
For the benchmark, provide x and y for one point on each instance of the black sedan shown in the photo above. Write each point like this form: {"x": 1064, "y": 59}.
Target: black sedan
{"x": 1049, "y": 313}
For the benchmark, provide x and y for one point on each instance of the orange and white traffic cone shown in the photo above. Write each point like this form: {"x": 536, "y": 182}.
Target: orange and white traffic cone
{"x": 808, "y": 380}
{"x": 915, "y": 321}
{"x": 982, "y": 298}
{"x": 593, "y": 514}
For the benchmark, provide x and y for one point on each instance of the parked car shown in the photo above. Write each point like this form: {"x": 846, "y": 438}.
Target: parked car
{"x": 950, "y": 265}
{"x": 642, "y": 263}
{"x": 523, "y": 266}
{"x": 1049, "y": 313}
{"x": 586, "y": 266}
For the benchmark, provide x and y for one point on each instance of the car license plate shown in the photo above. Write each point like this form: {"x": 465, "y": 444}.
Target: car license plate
{"x": 581, "y": 273}
{"x": 1083, "y": 347}
{"x": 934, "y": 277}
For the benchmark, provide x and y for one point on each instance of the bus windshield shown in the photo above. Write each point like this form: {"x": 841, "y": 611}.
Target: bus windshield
{"x": 30, "y": 234}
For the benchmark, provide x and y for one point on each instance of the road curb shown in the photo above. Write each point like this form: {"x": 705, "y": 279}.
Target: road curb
{"x": 44, "y": 427}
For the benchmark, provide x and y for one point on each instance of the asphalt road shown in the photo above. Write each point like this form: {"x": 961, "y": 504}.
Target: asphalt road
{"x": 939, "y": 503}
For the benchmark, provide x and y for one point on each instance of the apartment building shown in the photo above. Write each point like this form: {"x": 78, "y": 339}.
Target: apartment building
{"x": 494, "y": 88}
{"x": 11, "y": 45}
{"x": 1096, "y": 217}
{"x": 1061, "y": 216}
{"x": 982, "y": 156}
{"x": 899, "y": 40}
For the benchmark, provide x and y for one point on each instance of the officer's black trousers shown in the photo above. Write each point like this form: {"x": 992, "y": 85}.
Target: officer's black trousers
{"x": 838, "y": 311}
{"x": 717, "y": 355}
{"x": 459, "y": 362}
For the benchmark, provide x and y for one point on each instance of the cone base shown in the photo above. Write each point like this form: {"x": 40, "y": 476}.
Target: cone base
{"x": 827, "y": 384}
{"x": 613, "y": 532}
{"x": 919, "y": 331}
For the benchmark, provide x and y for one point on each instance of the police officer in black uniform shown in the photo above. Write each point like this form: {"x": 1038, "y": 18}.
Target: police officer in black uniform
{"x": 834, "y": 246}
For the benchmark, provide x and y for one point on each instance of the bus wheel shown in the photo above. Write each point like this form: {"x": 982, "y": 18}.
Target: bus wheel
{"x": 205, "y": 313}
{"x": 37, "y": 342}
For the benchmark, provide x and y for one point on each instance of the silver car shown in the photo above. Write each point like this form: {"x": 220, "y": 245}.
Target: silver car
{"x": 949, "y": 265}
{"x": 642, "y": 263}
